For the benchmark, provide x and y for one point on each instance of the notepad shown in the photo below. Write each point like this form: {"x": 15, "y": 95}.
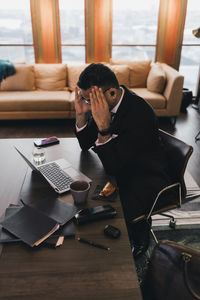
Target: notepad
{"x": 66, "y": 230}
{"x": 35, "y": 222}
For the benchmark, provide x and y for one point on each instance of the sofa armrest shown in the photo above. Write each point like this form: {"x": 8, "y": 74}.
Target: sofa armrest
{"x": 173, "y": 90}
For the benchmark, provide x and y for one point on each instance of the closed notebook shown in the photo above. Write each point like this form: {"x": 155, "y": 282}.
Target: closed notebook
{"x": 66, "y": 230}
{"x": 56, "y": 209}
{"x": 36, "y": 222}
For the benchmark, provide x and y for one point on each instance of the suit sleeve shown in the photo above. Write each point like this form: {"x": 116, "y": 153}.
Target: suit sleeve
{"x": 88, "y": 135}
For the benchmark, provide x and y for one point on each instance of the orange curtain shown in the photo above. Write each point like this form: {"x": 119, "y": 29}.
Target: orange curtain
{"x": 170, "y": 31}
{"x": 98, "y": 30}
{"x": 46, "y": 30}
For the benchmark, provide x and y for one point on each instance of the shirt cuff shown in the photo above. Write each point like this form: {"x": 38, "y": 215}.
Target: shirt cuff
{"x": 113, "y": 136}
{"x": 79, "y": 129}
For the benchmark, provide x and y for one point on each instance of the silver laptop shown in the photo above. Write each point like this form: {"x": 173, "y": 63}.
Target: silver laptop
{"x": 59, "y": 173}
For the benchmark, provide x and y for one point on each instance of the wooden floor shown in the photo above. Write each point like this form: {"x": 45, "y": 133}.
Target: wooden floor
{"x": 187, "y": 127}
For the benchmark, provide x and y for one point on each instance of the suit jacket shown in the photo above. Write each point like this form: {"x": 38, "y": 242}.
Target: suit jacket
{"x": 135, "y": 157}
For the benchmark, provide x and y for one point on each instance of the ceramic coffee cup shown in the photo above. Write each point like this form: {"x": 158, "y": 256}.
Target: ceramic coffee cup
{"x": 79, "y": 190}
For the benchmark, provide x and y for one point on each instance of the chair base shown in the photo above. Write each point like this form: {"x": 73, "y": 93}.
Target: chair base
{"x": 172, "y": 221}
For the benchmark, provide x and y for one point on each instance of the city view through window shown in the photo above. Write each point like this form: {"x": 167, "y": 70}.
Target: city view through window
{"x": 16, "y": 28}
{"x": 134, "y": 23}
{"x": 72, "y": 25}
{"x": 190, "y": 54}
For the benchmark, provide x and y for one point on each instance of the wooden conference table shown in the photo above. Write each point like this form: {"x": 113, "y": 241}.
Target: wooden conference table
{"x": 74, "y": 270}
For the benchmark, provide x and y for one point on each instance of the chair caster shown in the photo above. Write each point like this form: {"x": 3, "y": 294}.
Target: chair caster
{"x": 172, "y": 224}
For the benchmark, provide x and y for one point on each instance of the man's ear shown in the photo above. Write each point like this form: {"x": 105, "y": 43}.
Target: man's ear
{"x": 112, "y": 92}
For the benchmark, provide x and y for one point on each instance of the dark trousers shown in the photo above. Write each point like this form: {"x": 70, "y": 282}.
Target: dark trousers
{"x": 139, "y": 232}
{"x": 139, "y": 200}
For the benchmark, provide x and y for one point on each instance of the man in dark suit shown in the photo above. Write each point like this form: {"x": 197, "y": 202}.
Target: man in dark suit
{"x": 127, "y": 144}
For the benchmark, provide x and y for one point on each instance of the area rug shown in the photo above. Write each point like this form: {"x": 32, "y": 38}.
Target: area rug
{"x": 187, "y": 237}
{"x": 186, "y": 232}
{"x": 188, "y": 215}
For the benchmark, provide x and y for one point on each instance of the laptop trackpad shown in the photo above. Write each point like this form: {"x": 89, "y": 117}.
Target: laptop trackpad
{"x": 63, "y": 163}
{"x": 76, "y": 175}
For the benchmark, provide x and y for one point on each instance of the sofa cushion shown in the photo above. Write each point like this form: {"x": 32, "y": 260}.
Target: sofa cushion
{"x": 22, "y": 80}
{"x": 73, "y": 74}
{"x": 36, "y": 101}
{"x": 156, "y": 100}
{"x": 121, "y": 72}
{"x": 50, "y": 77}
{"x": 156, "y": 79}
{"x": 139, "y": 71}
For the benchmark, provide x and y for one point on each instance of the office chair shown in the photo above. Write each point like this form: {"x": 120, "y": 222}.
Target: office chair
{"x": 178, "y": 154}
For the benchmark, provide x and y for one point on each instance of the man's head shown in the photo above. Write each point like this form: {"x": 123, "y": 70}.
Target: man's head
{"x": 99, "y": 75}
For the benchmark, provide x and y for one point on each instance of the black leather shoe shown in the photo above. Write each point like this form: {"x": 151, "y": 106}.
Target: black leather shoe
{"x": 139, "y": 250}
{"x": 139, "y": 235}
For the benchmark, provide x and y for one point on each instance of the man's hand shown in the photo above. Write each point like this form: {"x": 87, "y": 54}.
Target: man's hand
{"x": 80, "y": 106}
{"x": 81, "y": 109}
{"x": 100, "y": 108}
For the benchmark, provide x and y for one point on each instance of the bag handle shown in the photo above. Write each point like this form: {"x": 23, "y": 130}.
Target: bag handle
{"x": 186, "y": 258}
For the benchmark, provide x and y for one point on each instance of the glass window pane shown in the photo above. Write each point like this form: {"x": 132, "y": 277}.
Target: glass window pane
{"x": 17, "y": 54}
{"x": 133, "y": 53}
{"x": 135, "y": 22}
{"x": 190, "y": 55}
{"x": 72, "y": 21}
{"x": 192, "y": 22}
{"x": 15, "y": 22}
{"x": 189, "y": 67}
{"x": 73, "y": 54}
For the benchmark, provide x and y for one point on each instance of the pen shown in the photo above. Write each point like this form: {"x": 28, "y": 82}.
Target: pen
{"x": 91, "y": 243}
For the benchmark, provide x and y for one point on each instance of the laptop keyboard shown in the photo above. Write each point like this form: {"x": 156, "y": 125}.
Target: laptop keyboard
{"x": 56, "y": 175}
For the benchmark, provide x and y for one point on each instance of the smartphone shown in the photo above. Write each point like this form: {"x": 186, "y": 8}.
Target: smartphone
{"x": 46, "y": 142}
{"x": 95, "y": 213}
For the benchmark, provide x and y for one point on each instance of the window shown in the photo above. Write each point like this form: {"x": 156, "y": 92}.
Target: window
{"x": 134, "y": 29}
{"x": 72, "y": 24}
{"x": 16, "y": 43}
{"x": 190, "y": 54}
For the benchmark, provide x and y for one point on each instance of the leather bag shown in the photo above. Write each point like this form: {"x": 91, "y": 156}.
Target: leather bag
{"x": 173, "y": 272}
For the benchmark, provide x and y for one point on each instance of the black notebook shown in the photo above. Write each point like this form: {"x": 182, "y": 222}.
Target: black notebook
{"x": 66, "y": 230}
{"x": 36, "y": 222}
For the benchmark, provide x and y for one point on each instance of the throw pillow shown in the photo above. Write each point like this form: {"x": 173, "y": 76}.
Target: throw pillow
{"x": 156, "y": 79}
{"x": 73, "y": 74}
{"x": 139, "y": 71}
{"x": 22, "y": 80}
{"x": 122, "y": 73}
{"x": 50, "y": 77}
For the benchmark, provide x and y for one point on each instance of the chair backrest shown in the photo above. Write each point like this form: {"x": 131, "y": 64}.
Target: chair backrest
{"x": 178, "y": 154}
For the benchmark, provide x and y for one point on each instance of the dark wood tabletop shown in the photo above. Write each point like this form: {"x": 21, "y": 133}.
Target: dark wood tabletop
{"x": 73, "y": 270}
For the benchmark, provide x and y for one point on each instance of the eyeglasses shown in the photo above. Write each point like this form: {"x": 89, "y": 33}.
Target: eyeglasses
{"x": 87, "y": 100}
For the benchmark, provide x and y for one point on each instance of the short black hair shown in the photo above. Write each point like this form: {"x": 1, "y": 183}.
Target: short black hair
{"x": 97, "y": 74}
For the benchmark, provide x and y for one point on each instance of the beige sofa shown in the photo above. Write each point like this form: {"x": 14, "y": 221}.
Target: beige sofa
{"x": 46, "y": 91}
